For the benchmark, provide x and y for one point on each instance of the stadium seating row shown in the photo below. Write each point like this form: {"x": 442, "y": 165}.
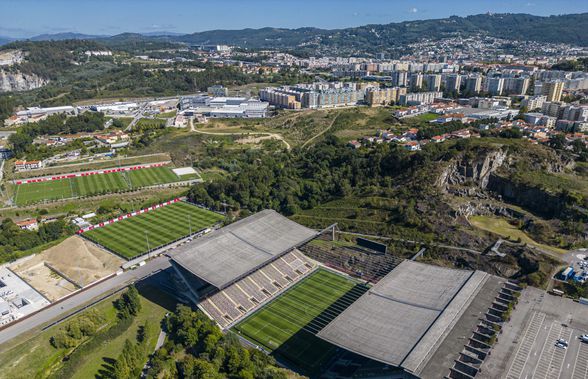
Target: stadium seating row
{"x": 240, "y": 298}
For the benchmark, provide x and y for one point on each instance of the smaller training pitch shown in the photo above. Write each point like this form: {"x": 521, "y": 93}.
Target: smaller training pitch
{"x": 30, "y": 193}
{"x": 287, "y": 325}
{"x": 139, "y": 234}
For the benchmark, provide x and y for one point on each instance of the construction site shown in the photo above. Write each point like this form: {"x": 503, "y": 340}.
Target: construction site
{"x": 66, "y": 267}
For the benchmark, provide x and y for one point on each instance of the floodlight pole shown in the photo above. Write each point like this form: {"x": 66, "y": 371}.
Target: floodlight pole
{"x": 148, "y": 248}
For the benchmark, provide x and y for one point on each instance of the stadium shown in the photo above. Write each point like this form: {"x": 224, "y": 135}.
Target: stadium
{"x": 418, "y": 321}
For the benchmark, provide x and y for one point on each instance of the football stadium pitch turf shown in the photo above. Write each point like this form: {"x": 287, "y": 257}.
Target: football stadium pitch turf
{"x": 30, "y": 193}
{"x": 129, "y": 237}
{"x": 287, "y": 325}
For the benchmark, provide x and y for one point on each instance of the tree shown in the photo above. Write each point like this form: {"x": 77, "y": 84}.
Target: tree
{"x": 129, "y": 304}
{"x": 199, "y": 369}
{"x": 511, "y": 133}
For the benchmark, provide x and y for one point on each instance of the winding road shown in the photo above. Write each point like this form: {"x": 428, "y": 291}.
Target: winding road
{"x": 272, "y": 135}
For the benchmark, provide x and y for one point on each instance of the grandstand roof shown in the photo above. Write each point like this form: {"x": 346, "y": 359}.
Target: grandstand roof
{"x": 405, "y": 317}
{"x": 236, "y": 250}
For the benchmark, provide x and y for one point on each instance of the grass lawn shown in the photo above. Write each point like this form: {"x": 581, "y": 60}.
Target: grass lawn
{"x": 97, "y": 361}
{"x": 35, "y": 358}
{"x": 501, "y": 227}
{"x": 286, "y": 326}
{"x": 30, "y": 193}
{"x": 424, "y": 117}
{"x": 129, "y": 237}
{"x": 211, "y": 175}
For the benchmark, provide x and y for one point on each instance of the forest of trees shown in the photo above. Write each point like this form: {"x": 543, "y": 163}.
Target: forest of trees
{"x": 22, "y": 140}
{"x": 302, "y": 179}
{"x": 14, "y": 239}
{"x": 197, "y": 349}
{"x": 85, "y": 333}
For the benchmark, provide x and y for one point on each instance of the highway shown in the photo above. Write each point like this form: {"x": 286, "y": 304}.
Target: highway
{"x": 63, "y": 309}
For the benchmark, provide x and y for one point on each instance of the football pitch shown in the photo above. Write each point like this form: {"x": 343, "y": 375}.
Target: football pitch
{"x": 137, "y": 235}
{"x": 30, "y": 193}
{"x": 287, "y": 325}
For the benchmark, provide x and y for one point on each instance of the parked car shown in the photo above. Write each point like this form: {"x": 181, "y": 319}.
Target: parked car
{"x": 560, "y": 345}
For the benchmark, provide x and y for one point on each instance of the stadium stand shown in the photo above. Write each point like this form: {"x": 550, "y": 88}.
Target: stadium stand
{"x": 251, "y": 288}
{"x": 264, "y": 282}
{"x": 233, "y": 270}
{"x": 233, "y": 303}
{"x": 277, "y": 277}
{"x": 355, "y": 261}
{"x": 235, "y": 251}
{"x": 405, "y": 318}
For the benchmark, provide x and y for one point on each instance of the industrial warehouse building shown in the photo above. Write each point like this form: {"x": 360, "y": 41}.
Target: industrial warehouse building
{"x": 223, "y": 107}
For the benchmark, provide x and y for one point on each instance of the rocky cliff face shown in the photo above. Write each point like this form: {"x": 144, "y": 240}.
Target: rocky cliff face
{"x": 488, "y": 174}
{"x": 468, "y": 175}
{"x": 17, "y": 81}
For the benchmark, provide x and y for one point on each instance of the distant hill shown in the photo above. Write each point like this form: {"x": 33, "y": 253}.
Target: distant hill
{"x": 570, "y": 28}
{"x": 64, "y": 36}
{"x": 559, "y": 29}
{"x": 4, "y": 40}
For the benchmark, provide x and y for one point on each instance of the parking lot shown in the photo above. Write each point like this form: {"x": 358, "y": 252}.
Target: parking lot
{"x": 527, "y": 347}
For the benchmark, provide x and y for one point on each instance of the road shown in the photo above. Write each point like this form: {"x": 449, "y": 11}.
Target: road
{"x": 137, "y": 117}
{"x": 322, "y": 131}
{"x": 70, "y": 305}
{"x": 272, "y": 135}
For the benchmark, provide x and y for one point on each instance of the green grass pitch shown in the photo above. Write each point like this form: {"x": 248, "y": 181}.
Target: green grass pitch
{"x": 30, "y": 193}
{"x": 284, "y": 326}
{"x": 129, "y": 237}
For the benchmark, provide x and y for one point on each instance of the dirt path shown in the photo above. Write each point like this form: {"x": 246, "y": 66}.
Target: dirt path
{"x": 322, "y": 131}
{"x": 270, "y": 135}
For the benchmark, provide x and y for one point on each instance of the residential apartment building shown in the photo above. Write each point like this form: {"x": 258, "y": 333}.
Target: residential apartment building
{"x": 383, "y": 96}
{"x": 416, "y": 81}
{"x": 473, "y": 84}
{"x": 433, "y": 82}
{"x": 420, "y": 98}
{"x": 453, "y": 83}
{"x": 281, "y": 97}
{"x": 516, "y": 86}
{"x": 399, "y": 78}
{"x": 552, "y": 90}
{"x": 534, "y": 102}
{"x": 494, "y": 86}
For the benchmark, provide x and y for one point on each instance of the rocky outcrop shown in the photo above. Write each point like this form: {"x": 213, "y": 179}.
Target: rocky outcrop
{"x": 478, "y": 208}
{"x": 535, "y": 199}
{"x": 466, "y": 176}
{"x": 17, "y": 81}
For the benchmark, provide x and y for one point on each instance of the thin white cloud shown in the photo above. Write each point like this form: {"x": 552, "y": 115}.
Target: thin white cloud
{"x": 413, "y": 10}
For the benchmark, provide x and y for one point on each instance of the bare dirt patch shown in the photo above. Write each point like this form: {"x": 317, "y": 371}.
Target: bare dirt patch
{"x": 76, "y": 259}
{"x": 43, "y": 279}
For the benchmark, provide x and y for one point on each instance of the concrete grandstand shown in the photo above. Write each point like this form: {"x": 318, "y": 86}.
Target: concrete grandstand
{"x": 413, "y": 314}
{"x": 233, "y": 270}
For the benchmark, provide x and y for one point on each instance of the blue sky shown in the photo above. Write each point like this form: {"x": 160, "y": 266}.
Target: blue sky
{"x": 24, "y": 18}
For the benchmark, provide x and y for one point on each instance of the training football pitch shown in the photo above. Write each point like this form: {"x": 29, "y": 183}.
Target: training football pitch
{"x": 137, "y": 235}
{"x": 30, "y": 193}
{"x": 287, "y": 325}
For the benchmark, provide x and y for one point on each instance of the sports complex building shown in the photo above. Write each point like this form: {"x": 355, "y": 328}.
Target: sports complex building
{"x": 233, "y": 270}
{"x": 419, "y": 320}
